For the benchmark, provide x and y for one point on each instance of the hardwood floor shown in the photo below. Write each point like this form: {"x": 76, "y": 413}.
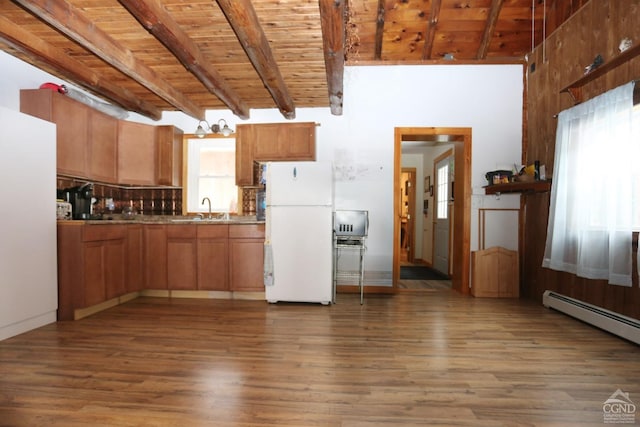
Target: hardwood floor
{"x": 438, "y": 359}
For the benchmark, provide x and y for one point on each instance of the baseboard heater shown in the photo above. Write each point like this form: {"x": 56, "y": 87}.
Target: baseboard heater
{"x": 617, "y": 324}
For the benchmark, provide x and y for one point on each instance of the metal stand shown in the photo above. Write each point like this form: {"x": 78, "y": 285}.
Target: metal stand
{"x": 348, "y": 244}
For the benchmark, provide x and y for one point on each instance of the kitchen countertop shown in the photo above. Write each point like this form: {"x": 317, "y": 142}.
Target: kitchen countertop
{"x": 165, "y": 219}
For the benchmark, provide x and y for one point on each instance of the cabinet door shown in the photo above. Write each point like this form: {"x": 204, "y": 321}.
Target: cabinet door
{"x": 169, "y": 147}
{"x": 301, "y": 141}
{"x": 103, "y": 160}
{"x": 72, "y": 127}
{"x": 104, "y": 262}
{"x": 155, "y": 257}
{"x": 284, "y": 141}
{"x": 246, "y": 264}
{"x": 71, "y": 257}
{"x": 135, "y": 258}
{"x": 136, "y": 153}
{"x": 114, "y": 267}
{"x": 269, "y": 142}
{"x": 213, "y": 257}
{"x": 95, "y": 288}
{"x": 181, "y": 257}
{"x": 244, "y": 155}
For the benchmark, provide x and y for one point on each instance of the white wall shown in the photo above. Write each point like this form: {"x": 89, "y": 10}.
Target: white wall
{"x": 486, "y": 98}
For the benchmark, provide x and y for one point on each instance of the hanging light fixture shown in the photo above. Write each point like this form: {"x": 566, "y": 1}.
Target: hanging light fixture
{"x": 218, "y": 128}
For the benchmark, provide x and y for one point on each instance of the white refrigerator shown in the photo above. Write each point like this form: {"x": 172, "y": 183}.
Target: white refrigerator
{"x": 28, "y": 253}
{"x": 298, "y": 245}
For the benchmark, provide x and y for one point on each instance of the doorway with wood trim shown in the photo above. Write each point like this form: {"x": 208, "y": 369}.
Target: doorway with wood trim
{"x": 460, "y": 141}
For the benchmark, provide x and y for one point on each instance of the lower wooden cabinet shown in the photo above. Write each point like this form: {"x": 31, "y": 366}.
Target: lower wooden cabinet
{"x": 246, "y": 257}
{"x": 495, "y": 273}
{"x": 134, "y": 280}
{"x": 101, "y": 262}
{"x": 213, "y": 256}
{"x": 91, "y": 266}
{"x": 155, "y": 256}
{"x": 104, "y": 262}
{"x": 182, "y": 265}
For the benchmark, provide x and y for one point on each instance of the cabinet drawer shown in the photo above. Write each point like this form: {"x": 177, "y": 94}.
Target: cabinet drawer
{"x": 97, "y": 232}
{"x": 211, "y": 231}
{"x": 246, "y": 231}
{"x": 181, "y": 231}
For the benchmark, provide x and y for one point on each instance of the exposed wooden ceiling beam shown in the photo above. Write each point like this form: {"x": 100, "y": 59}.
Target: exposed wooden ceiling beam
{"x": 56, "y": 59}
{"x": 158, "y": 22}
{"x": 377, "y": 53}
{"x": 332, "y": 17}
{"x": 72, "y": 22}
{"x": 244, "y": 21}
{"x": 434, "y": 16}
{"x": 494, "y": 12}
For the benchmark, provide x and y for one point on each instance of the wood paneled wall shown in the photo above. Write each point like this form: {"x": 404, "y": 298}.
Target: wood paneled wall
{"x": 595, "y": 29}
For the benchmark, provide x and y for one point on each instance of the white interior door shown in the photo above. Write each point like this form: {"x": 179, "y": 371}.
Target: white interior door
{"x": 441, "y": 211}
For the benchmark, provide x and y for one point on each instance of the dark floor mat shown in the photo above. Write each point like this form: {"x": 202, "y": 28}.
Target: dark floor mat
{"x": 420, "y": 273}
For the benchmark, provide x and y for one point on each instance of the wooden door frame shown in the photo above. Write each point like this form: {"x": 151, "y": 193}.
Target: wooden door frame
{"x": 461, "y": 140}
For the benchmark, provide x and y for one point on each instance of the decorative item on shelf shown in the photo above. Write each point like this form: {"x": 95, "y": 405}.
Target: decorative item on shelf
{"x": 597, "y": 61}
{"x": 625, "y": 44}
{"x": 217, "y": 128}
{"x": 498, "y": 176}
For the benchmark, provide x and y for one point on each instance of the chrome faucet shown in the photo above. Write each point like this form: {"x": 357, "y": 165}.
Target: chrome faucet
{"x": 209, "y": 201}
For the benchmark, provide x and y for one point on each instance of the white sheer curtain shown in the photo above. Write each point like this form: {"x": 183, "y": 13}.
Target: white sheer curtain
{"x": 592, "y": 193}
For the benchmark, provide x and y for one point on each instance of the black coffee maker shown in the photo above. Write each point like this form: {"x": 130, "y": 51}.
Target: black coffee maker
{"x": 80, "y": 199}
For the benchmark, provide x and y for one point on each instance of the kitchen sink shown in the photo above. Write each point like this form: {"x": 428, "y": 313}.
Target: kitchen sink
{"x": 198, "y": 219}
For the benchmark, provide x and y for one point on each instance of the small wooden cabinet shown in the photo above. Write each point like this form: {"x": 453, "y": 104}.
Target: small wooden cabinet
{"x": 136, "y": 153}
{"x": 104, "y": 262}
{"x": 182, "y": 265}
{"x": 72, "y": 127}
{"x": 284, "y": 141}
{"x": 135, "y": 258}
{"x": 495, "y": 273}
{"x": 244, "y": 155}
{"x": 246, "y": 257}
{"x": 103, "y": 156}
{"x": 91, "y": 265}
{"x": 155, "y": 256}
{"x": 213, "y": 257}
{"x": 169, "y": 146}
{"x": 272, "y": 142}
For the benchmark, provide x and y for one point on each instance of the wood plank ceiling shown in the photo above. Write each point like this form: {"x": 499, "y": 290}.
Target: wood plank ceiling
{"x": 150, "y": 56}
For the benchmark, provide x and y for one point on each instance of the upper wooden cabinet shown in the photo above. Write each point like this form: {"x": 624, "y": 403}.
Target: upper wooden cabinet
{"x": 136, "y": 153}
{"x": 284, "y": 141}
{"x": 72, "y": 127}
{"x": 169, "y": 145}
{"x": 103, "y": 150}
{"x": 244, "y": 155}
{"x": 96, "y": 146}
{"x": 272, "y": 142}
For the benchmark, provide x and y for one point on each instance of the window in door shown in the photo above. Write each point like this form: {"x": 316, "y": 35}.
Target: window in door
{"x": 442, "y": 190}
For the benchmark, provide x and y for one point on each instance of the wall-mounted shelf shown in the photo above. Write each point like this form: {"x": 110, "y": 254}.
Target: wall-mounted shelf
{"x": 519, "y": 187}
{"x": 575, "y": 88}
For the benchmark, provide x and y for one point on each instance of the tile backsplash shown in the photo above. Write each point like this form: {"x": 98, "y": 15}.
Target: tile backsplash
{"x": 145, "y": 200}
